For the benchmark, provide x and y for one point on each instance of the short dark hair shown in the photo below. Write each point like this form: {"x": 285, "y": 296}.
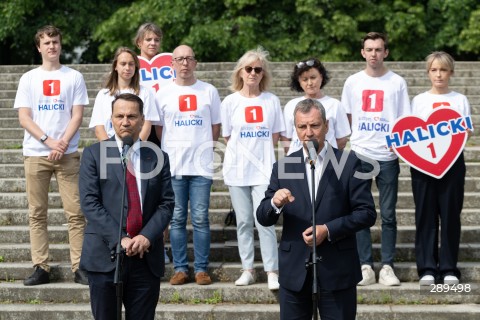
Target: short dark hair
{"x": 297, "y": 72}
{"x": 306, "y": 105}
{"x": 375, "y": 36}
{"x": 129, "y": 97}
{"x": 48, "y": 30}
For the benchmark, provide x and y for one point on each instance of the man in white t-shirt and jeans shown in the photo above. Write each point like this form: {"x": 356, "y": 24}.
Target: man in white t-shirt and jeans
{"x": 373, "y": 99}
{"x": 50, "y": 101}
{"x": 190, "y": 123}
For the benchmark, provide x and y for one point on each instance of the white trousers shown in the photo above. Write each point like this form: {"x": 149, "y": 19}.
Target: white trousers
{"x": 245, "y": 201}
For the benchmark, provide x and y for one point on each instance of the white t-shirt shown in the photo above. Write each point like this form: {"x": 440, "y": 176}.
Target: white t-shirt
{"x": 374, "y": 104}
{"x": 188, "y": 115}
{"x": 102, "y": 109}
{"x": 338, "y": 125}
{"x": 250, "y": 123}
{"x": 424, "y": 103}
{"x": 51, "y": 96}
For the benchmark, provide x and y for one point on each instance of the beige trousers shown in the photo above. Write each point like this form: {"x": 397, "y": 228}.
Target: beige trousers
{"x": 38, "y": 172}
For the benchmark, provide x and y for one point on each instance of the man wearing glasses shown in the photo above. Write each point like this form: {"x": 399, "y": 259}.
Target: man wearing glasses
{"x": 190, "y": 127}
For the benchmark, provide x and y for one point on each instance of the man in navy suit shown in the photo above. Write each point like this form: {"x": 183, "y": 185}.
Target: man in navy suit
{"x": 101, "y": 181}
{"x": 343, "y": 205}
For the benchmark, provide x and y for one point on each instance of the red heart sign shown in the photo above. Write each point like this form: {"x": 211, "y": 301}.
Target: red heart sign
{"x": 430, "y": 146}
{"x": 156, "y": 72}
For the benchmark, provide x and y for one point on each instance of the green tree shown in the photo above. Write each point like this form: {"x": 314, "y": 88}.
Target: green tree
{"x": 224, "y": 30}
{"x": 77, "y": 20}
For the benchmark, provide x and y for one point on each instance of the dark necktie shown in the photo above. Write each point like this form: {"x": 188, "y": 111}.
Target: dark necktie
{"x": 134, "y": 215}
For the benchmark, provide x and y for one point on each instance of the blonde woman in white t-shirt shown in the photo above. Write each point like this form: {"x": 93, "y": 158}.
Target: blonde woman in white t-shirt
{"x": 251, "y": 125}
{"x": 124, "y": 77}
{"x": 439, "y": 198}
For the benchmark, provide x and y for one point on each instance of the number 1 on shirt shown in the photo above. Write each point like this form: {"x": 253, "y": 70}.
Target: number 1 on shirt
{"x": 253, "y": 114}
{"x": 187, "y": 103}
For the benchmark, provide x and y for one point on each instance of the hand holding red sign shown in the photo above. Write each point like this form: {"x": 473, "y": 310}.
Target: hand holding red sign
{"x": 432, "y": 145}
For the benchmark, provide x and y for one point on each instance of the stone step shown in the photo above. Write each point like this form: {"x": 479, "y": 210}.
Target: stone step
{"x": 17, "y": 132}
{"x": 13, "y": 123}
{"x": 418, "y": 67}
{"x": 17, "y": 143}
{"x": 7, "y": 110}
{"x": 220, "y": 233}
{"x": 406, "y": 293}
{"x": 228, "y": 252}
{"x": 89, "y": 139}
{"x": 221, "y": 200}
{"x": 19, "y": 185}
{"x": 280, "y": 78}
{"x": 9, "y": 115}
{"x": 16, "y": 170}
{"x": 461, "y": 311}
{"x": 471, "y": 154}
{"x": 472, "y": 184}
{"x": 222, "y": 272}
{"x": 223, "y": 90}
{"x": 56, "y": 217}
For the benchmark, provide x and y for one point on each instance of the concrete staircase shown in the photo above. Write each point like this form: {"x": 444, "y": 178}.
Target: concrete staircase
{"x": 63, "y": 299}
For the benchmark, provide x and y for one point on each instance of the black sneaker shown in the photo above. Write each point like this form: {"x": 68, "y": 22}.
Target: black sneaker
{"x": 40, "y": 276}
{"x": 81, "y": 277}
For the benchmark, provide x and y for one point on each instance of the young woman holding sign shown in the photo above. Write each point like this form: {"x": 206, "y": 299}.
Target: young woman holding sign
{"x": 123, "y": 78}
{"x": 439, "y": 198}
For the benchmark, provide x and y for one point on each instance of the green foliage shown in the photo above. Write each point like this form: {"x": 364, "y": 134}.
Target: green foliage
{"x": 77, "y": 19}
{"x": 470, "y": 36}
{"x": 224, "y": 30}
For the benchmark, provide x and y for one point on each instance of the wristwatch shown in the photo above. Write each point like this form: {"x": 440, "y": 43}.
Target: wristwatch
{"x": 43, "y": 138}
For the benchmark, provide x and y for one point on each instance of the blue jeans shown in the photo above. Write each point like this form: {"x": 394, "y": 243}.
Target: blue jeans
{"x": 387, "y": 184}
{"x": 197, "y": 190}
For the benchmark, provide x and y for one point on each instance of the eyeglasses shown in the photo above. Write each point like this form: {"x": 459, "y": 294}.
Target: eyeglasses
{"x": 181, "y": 59}
{"x": 257, "y": 70}
{"x": 309, "y": 63}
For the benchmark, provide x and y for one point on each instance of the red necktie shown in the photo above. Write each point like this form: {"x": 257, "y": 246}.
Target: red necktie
{"x": 134, "y": 215}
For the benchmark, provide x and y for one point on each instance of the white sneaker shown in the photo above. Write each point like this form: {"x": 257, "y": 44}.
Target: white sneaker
{"x": 273, "y": 281}
{"x": 450, "y": 280}
{"x": 387, "y": 277}
{"x": 368, "y": 276}
{"x": 427, "y": 280}
{"x": 245, "y": 279}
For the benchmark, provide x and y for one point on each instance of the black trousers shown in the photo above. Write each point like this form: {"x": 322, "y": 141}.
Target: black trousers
{"x": 141, "y": 290}
{"x": 438, "y": 202}
{"x": 332, "y": 305}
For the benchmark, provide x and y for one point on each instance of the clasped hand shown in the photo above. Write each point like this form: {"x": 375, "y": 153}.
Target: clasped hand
{"x": 58, "y": 148}
{"x": 136, "y": 245}
{"x": 283, "y": 197}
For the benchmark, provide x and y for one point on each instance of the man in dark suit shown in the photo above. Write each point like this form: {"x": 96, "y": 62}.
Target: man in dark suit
{"x": 101, "y": 181}
{"x": 343, "y": 205}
